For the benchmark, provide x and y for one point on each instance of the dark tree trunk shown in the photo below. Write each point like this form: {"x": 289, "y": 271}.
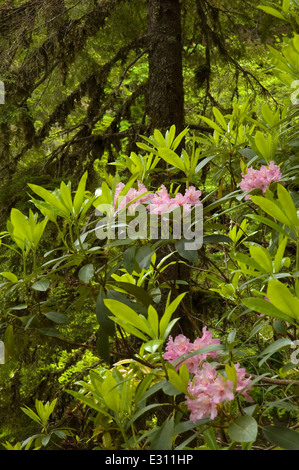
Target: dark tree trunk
{"x": 165, "y": 107}
{"x": 165, "y": 93}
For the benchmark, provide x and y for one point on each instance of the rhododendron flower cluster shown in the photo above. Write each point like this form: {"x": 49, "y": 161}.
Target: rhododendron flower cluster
{"x": 206, "y": 391}
{"x": 182, "y": 345}
{"x": 160, "y": 202}
{"x": 207, "y": 388}
{"x": 141, "y": 193}
{"x": 260, "y": 179}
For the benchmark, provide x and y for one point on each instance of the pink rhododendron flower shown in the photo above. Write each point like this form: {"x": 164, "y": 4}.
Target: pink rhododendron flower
{"x": 176, "y": 348}
{"x": 243, "y": 384}
{"x": 182, "y": 345}
{"x": 208, "y": 388}
{"x": 206, "y": 340}
{"x": 162, "y": 202}
{"x": 192, "y": 196}
{"x": 206, "y": 391}
{"x": 260, "y": 179}
{"x": 130, "y": 196}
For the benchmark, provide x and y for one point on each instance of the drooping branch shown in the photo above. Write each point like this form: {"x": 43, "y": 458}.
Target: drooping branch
{"x": 92, "y": 86}
{"x": 214, "y": 36}
{"x": 64, "y": 42}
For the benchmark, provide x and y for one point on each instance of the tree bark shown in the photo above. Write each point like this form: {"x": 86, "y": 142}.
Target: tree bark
{"x": 165, "y": 103}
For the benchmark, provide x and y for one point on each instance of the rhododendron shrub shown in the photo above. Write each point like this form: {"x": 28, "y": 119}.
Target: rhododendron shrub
{"x": 204, "y": 385}
{"x": 208, "y": 386}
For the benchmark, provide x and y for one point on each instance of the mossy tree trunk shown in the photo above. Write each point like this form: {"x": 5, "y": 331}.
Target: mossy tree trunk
{"x": 165, "y": 90}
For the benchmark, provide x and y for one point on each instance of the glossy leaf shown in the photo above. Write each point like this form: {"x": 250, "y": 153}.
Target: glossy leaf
{"x": 80, "y": 194}
{"x": 280, "y": 296}
{"x": 126, "y": 314}
{"x": 243, "y": 429}
{"x": 171, "y": 158}
{"x": 41, "y": 285}
{"x": 86, "y": 273}
{"x": 266, "y": 308}
{"x": 283, "y": 437}
{"x": 272, "y": 11}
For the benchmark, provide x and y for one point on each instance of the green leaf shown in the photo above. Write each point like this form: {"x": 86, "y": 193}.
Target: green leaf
{"x": 286, "y": 5}
{"x": 163, "y": 437}
{"x": 49, "y": 332}
{"x": 172, "y": 158}
{"x": 66, "y": 197}
{"x": 21, "y": 228}
{"x": 57, "y": 317}
{"x": 103, "y": 314}
{"x": 203, "y": 163}
{"x": 129, "y": 259}
{"x": 127, "y": 315}
{"x": 279, "y": 254}
{"x": 177, "y": 380}
{"x": 80, "y": 193}
{"x": 51, "y": 199}
{"x": 271, "y": 208}
{"x": 10, "y": 276}
{"x": 86, "y": 273}
{"x": 279, "y": 294}
{"x": 245, "y": 259}
{"x": 9, "y": 343}
{"x": 286, "y": 201}
{"x": 179, "y": 138}
{"x": 216, "y": 239}
{"x": 32, "y": 415}
{"x": 89, "y": 402}
{"x": 262, "y": 257}
{"x": 143, "y": 256}
{"x": 266, "y": 308}
{"x": 38, "y": 231}
{"x": 243, "y": 429}
{"x": 269, "y": 222}
{"x": 280, "y": 436}
{"x": 102, "y": 343}
{"x": 138, "y": 292}
{"x": 170, "y": 134}
{"x": 276, "y": 346}
{"x": 189, "y": 255}
{"x": 210, "y": 439}
{"x": 159, "y": 138}
{"x": 169, "y": 311}
{"x": 110, "y": 393}
{"x": 220, "y": 118}
{"x": 231, "y": 373}
{"x": 153, "y": 345}
{"x": 211, "y": 124}
{"x": 153, "y": 321}
{"x": 272, "y": 11}
{"x": 42, "y": 285}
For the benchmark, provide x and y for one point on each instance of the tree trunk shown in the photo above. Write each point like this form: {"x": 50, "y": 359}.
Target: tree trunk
{"x": 165, "y": 93}
{"x": 165, "y": 107}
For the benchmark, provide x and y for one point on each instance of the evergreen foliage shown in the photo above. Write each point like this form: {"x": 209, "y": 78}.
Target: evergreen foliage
{"x": 113, "y": 342}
